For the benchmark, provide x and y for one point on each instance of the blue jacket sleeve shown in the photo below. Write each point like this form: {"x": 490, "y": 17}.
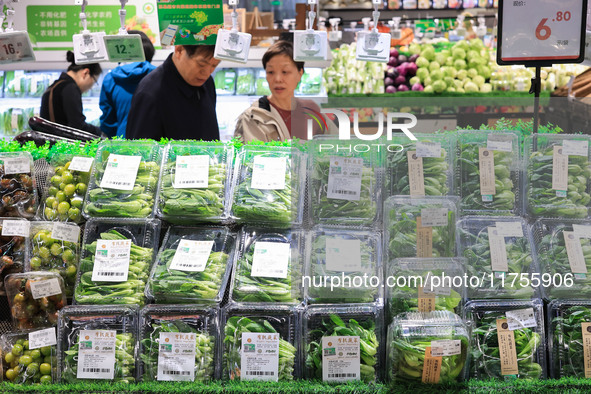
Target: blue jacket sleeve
{"x": 109, "y": 117}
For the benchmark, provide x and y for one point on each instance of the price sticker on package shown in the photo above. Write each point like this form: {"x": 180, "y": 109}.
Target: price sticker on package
{"x": 521, "y": 318}
{"x": 499, "y": 143}
{"x": 343, "y": 255}
{"x": 121, "y": 172}
{"x": 340, "y": 359}
{"x": 509, "y": 229}
{"x": 42, "y": 338}
{"x": 434, "y": 217}
{"x": 448, "y": 347}
{"x": 96, "y": 354}
{"x": 428, "y": 149}
{"x": 65, "y": 232}
{"x": 80, "y": 164}
{"x": 575, "y": 148}
{"x": 45, "y": 288}
{"x": 344, "y": 178}
{"x": 270, "y": 260}
{"x": 176, "y": 356}
{"x": 111, "y": 260}
{"x": 15, "y": 47}
{"x": 16, "y": 165}
{"x": 259, "y": 358}
{"x": 191, "y": 255}
{"x": 191, "y": 172}
{"x": 16, "y": 228}
{"x": 268, "y": 173}
{"x": 125, "y": 48}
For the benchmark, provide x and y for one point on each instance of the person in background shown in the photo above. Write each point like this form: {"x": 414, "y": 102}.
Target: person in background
{"x": 118, "y": 88}
{"x": 62, "y": 101}
{"x": 177, "y": 100}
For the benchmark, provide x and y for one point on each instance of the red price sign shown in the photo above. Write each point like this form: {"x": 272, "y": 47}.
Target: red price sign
{"x": 541, "y": 31}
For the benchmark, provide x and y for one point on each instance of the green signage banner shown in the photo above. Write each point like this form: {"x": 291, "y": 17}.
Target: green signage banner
{"x": 192, "y": 22}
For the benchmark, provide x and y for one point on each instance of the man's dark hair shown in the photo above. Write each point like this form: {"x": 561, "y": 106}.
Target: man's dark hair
{"x": 149, "y": 50}
{"x": 281, "y": 48}
{"x": 94, "y": 68}
{"x": 206, "y": 51}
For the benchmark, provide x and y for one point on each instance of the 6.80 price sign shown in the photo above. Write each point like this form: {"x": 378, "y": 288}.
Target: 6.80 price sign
{"x": 541, "y": 31}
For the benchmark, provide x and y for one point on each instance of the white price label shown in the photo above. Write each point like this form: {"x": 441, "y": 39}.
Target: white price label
{"x": 259, "y": 358}
{"x": 45, "y": 288}
{"x": 498, "y": 251}
{"x": 270, "y": 260}
{"x": 428, "y": 149}
{"x": 521, "y": 318}
{"x": 499, "y": 144}
{"x": 430, "y": 288}
{"x": 509, "y": 229}
{"x": 434, "y": 217}
{"x": 575, "y": 148}
{"x": 14, "y": 116}
{"x": 96, "y": 354}
{"x": 80, "y": 164}
{"x": 268, "y": 173}
{"x": 16, "y": 228}
{"x": 574, "y": 252}
{"x": 121, "y": 172}
{"x": 42, "y": 338}
{"x": 340, "y": 359}
{"x": 191, "y": 256}
{"x": 65, "y": 232}
{"x": 446, "y": 347}
{"x": 344, "y": 178}
{"x": 16, "y": 165}
{"x": 111, "y": 260}
{"x": 343, "y": 255}
{"x": 582, "y": 231}
{"x": 15, "y": 47}
{"x": 176, "y": 356}
{"x": 191, "y": 172}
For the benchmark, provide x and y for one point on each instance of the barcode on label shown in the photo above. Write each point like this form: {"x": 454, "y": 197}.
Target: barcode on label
{"x": 121, "y": 183}
{"x": 342, "y": 375}
{"x": 344, "y": 192}
{"x": 96, "y": 370}
{"x": 183, "y": 373}
{"x": 111, "y": 273}
{"x": 260, "y": 373}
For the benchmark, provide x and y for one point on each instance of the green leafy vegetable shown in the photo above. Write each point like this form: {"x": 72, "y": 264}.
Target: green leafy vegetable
{"x": 567, "y": 351}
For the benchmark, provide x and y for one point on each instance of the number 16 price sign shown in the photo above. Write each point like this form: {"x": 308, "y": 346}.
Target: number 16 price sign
{"x": 541, "y": 32}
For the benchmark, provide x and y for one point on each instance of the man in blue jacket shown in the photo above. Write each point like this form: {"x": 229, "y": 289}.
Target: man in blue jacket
{"x": 118, "y": 89}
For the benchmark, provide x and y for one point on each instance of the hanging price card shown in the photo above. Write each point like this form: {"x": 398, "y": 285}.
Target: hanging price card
{"x": 15, "y": 46}
{"x": 125, "y": 48}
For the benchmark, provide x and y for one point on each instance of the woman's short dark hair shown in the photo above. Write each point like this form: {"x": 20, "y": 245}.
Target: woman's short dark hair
{"x": 206, "y": 51}
{"x": 94, "y": 68}
{"x": 281, "y": 48}
{"x": 148, "y": 47}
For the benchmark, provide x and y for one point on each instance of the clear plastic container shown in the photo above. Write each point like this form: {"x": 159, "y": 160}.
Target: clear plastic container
{"x": 192, "y": 280}
{"x": 437, "y": 154}
{"x": 13, "y": 253}
{"x": 55, "y": 254}
{"x": 507, "y": 172}
{"x": 516, "y": 280}
{"x": 261, "y": 84}
{"x": 198, "y": 320}
{"x": 362, "y": 320}
{"x": 245, "y": 82}
{"x": 105, "y": 319}
{"x": 342, "y": 266}
{"x": 438, "y": 294}
{"x": 269, "y": 266}
{"x": 199, "y": 193}
{"x": 35, "y": 298}
{"x": 529, "y": 342}
{"x": 64, "y": 196}
{"x": 37, "y": 367}
{"x": 122, "y": 286}
{"x": 225, "y": 81}
{"x": 240, "y": 319}
{"x": 268, "y": 186}
{"x": 412, "y": 333}
{"x": 345, "y": 188}
{"x": 18, "y": 188}
{"x": 542, "y": 151}
{"x": 126, "y": 193}
{"x": 404, "y": 237}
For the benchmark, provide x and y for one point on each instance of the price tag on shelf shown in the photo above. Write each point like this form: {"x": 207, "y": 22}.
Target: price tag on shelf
{"x": 125, "y": 48}
{"x": 15, "y": 46}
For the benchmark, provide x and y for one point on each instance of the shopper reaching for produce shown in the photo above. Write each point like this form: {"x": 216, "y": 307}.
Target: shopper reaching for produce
{"x": 62, "y": 101}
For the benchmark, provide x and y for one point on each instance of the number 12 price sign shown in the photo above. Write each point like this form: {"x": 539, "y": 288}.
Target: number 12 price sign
{"x": 541, "y": 32}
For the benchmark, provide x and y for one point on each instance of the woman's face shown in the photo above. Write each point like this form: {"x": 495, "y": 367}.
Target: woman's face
{"x": 283, "y": 76}
{"x": 87, "y": 80}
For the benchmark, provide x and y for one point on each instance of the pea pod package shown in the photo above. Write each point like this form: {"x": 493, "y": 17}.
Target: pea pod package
{"x": 343, "y": 342}
{"x": 97, "y": 343}
{"x": 424, "y": 286}
{"x": 268, "y": 185}
{"x": 269, "y": 268}
{"x": 421, "y": 168}
{"x": 500, "y": 253}
{"x": 14, "y": 238}
{"x": 28, "y": 360}
{"x": 124, "y": 180}
{"x": 420, "y": 227}
{"x": 488, "y": 173}
{"x": 64, "y": 197}
{"x": 251, "y": 331}
{"x": 342, "y": 266}
{"x": 558, "y": 176}
{"x": 507, "y": 339}
{"x": 55, "y": 247}
{"x": 116, "y": 261}
{"x": 18, "y": 189}
{"x": 193, "y": 266}
{"x": 345, "y": 186}
{"x": 195, "y": 182}
{"x": 416, "y": 340}
{"x": 178, "y": 343}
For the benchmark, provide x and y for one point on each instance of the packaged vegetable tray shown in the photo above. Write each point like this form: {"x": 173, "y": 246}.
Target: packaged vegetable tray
{"x": 115, "y": 262}
{"x": 353, "y": 330}
{"x": 13, "y": 247}
{"x": 421, "y": 168}
{"x": 26, "y": 359}
{"x": 55, "y": 247}
{"x": 178, "y": 343}
{"x": 193, "y": 266}
{"x": 196, "y": 180}
{"x": 340, "y": 265}
{"x": 420, "y": 227}
{"x": 488, "y": 173}
{"x": 18, "y": 187}
{"x": 345, "y": 188}
{"x": 97, "y": 343}
{"x": 507, "y": 339}
{"x": 268, "y": 185}
{"x": 431, "y": 347}
{"x": 269, "y": 266}
{"x": 499, "y": 252}
{"x": 124, "y": 180}
{"x": 250, "y": 329}
{"x": 558, "y": 176}
{"x": 432, "y": 293}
